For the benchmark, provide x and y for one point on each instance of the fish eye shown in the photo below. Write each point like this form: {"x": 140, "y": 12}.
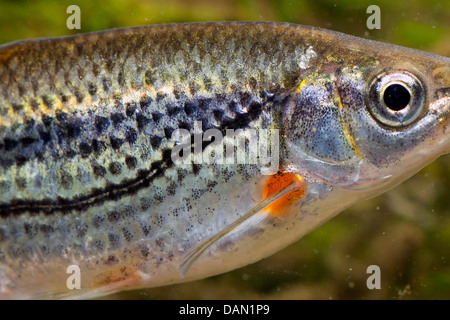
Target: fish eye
{"x": 396, "y": 99}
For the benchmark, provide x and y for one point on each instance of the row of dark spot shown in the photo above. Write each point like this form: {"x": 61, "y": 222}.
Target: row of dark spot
{"x": 66, "y": 129}
{"x": 115, "y": 168}
{"x": 70, "y": 130}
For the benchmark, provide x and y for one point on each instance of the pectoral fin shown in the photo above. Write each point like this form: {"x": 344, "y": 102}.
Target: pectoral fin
{"x": 278, "y": 186}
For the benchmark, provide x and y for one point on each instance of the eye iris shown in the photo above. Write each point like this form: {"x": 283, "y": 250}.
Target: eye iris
{"x": 396, "y": 97}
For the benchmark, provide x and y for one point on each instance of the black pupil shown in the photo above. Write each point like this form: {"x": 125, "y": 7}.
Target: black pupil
{"x": 396, "y": 97}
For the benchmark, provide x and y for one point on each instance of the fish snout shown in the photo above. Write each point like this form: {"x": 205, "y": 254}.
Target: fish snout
{"x": 440, "y": 104}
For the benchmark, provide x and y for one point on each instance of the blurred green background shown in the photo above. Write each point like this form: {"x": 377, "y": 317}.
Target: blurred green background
{"x": 406, "y": 231}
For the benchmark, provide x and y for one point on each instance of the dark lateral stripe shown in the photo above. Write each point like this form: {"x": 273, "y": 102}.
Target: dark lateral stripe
{"x": 96, "y": 197}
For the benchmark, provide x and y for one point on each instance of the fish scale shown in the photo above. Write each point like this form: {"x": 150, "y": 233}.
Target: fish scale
{"x": 86, "y": 169}
{"x": 101, "y": 142}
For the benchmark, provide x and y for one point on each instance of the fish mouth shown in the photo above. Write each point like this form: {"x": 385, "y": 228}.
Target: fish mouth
{"x": 441, "y": 105}
{"x": 442, "y": 108}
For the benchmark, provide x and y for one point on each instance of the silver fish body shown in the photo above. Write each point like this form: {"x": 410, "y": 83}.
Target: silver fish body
{"x": 87, "y": 175}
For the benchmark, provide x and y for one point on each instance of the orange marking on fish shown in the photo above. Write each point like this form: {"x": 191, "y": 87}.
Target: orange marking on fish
{"x": 279, "y": 181}
{"x": 117, "y": 279}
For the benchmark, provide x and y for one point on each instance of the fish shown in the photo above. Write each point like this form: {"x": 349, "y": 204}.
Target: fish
{"x": 147, "y": 156}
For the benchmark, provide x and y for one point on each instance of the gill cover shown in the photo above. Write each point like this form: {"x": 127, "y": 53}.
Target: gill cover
{"x": 317, "y": 136}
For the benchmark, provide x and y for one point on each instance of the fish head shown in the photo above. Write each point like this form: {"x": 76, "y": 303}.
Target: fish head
{"x": 370, "y": 116}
